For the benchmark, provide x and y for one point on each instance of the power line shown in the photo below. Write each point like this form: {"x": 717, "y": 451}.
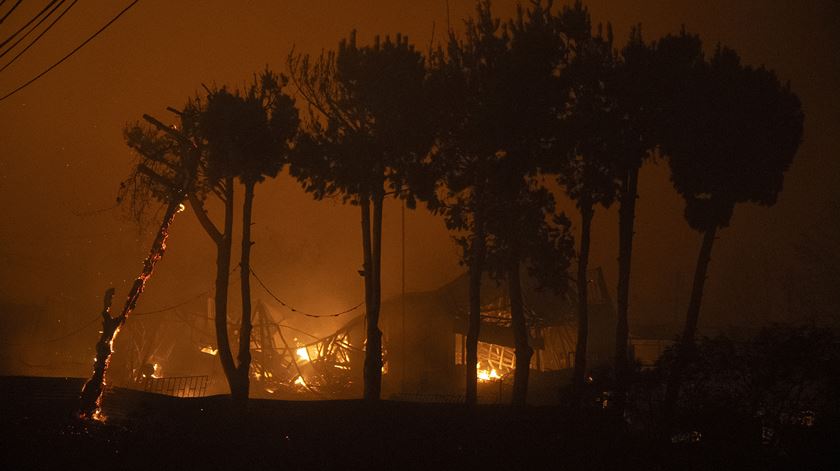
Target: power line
{"x": 293, "y": 309}
{"x": 71, "y": 52}
{"x": 93, "y": 212}
{"x": 182, "y": 303}
{"x": 138, "y": 313}
{"x": 27, "y": 23}
{"x": 10, "y": 11}
{"x": 171, "y": 307}
{"x": 74, "y": 332}
{"x": 25, "y": 35}
{"x": 69, "y": 334}
{"x": 38, "y": 37}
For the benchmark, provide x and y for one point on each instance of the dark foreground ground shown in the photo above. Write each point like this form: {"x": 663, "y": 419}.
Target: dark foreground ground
{"x": 147, "y": 431}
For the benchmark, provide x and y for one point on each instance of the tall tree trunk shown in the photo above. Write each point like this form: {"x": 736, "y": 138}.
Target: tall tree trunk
{"x": 686, "y": 347}
{"x": 371, "y": 243}
{"x": 245, "y": 282}
{"x": 364, "y": 205}
{"x": 627, "y": 215}
{"x": 374, "y": 333}
{"x": 91, "y": 394}
{"x": 474, "y": 317}
{"x": 520, "y": 337}
{"x": 223, "y": 254}
{"x": 586, "y": 213}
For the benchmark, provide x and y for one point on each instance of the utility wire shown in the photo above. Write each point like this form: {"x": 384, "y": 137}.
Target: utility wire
{"x": 69, "y": 334}
{"x": 26, "y": 35}
{"x": 94, "y": 35}
{"x": 91, "y": 212}
{"x": 5, "y": 41}
{"x": 140, "y": 313}
{"x": 38, "y": 37}
{"x": 174, "y": 306}
{"x": 10, "y": 12}
{"x": 293, "y": 309}
{"x": 182, "y": 303}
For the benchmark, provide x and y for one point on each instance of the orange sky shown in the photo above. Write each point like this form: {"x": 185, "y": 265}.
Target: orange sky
{"x": 62, "y": 155}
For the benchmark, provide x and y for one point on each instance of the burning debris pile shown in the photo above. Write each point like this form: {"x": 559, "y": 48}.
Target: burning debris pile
{"x": 323, "y": 366}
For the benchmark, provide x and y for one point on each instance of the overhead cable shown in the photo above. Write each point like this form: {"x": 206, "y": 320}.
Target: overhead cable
{"x": 5, "y": 41}
{"x": 36, "y": 38}
{"x": 294, "y": 309}
{"x": 10, "y": 11}
{"x": 89, "y": 39}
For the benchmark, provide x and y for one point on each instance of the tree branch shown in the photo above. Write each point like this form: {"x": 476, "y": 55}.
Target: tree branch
{"x": 204, "y": 219}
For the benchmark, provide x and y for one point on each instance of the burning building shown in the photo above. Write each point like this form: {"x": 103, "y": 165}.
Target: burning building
{"x": 425, "y": 336}
{"x": 424, "y": 343}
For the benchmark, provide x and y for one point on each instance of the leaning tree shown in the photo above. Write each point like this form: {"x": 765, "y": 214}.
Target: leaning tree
{"x": 731, "y": 133}
{"x": 239, "y": 134}
{"x": 167, "y": 162}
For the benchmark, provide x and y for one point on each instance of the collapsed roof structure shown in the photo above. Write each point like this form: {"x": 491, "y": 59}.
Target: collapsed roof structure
{"x": 423, "y": 338}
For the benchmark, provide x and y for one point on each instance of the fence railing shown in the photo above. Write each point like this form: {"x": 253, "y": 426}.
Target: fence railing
{"x": 178, "y": 386}
{"x": 426, "y": 397}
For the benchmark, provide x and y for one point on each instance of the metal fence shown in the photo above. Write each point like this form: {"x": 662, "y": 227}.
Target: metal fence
{"x": 427, "y": 397}
{"x": 178, "y": 386}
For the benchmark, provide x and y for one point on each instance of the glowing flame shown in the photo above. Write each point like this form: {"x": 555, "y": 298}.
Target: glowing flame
{"x": 181, "y": 207}
{"x": 156, "y": 374}
{"x": 300, "y": 382}
{"x": 485, "y": 376}
{"x": 303, "y": 354}
{"x": 209, "y": 350}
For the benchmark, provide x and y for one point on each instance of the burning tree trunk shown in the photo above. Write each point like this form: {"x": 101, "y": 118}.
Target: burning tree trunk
{"x": 92, "y": 391}
{"x": 170, "y": 174}
{"x": 93, "y": 388}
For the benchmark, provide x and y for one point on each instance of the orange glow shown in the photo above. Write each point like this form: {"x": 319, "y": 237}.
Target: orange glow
{"x": 486, "y": 376}
{"x": 209, "y": 350}
{"x": 303, "y": 354}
